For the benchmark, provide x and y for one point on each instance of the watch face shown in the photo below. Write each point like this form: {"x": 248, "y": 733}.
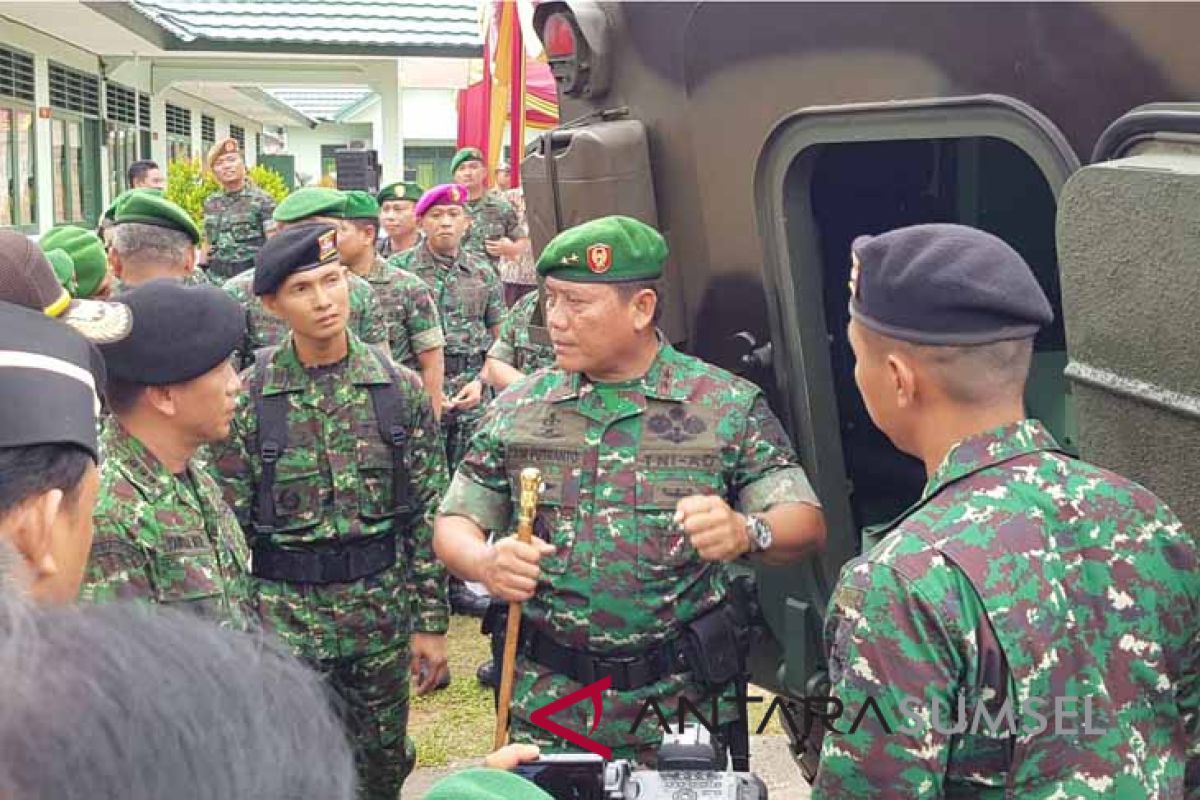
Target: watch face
{"x": 761, "y": 532}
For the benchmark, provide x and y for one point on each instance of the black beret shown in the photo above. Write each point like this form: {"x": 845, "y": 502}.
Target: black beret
{"x": 945, "y": 285}
{"x": 50, "y": 382}
{"x": 179, "y": 332}
{"x": 294, "y": 249}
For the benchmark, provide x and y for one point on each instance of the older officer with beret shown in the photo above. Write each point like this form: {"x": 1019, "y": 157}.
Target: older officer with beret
{"x": 50, "y": 378}
{"x": 264, "y": 329}
{"x": 152, "y": 238}
{"x": 237, "y": 219}
{"x": 163, "y": 531}
{"x": 333, "y": 469}
{"x": 658, "y": 469}
{"x": 1022, "y": 582}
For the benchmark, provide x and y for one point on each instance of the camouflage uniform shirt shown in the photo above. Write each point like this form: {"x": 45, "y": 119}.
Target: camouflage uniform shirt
{"x": 412, "y": 317}
{"x": 164, "y": 538}
{"x": 615, "y": 460}
{"x": 236, "y": 225}
{"x": 470, "y": 301}
{"x": 491, "y": 217}
{"x": 264, "y": 329}
{"x": 518, "y": 344}
{"x": 1021, "y": 575}
{"x": 333, "y": 483}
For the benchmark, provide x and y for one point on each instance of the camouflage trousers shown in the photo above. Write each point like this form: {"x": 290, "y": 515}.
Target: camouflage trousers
{"x": 373, "y": 690}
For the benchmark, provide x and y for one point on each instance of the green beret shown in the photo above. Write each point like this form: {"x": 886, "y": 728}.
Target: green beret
{"x": 360, "y": 205}
{"x": 111, "y": 212}
{"x": 485, "y": 784}
{"x": 86, "y": 250}
{"x": 400, "y": 191}
{"x": 179, "y": 332}
{"x": 296, "y": 249}
{"x": 311, "y": 201}
{"x": 64, "y": 269}
{"x": 151, "y": 208}
{"x": 606, "y": 250}
{"x": 465, "y": 154}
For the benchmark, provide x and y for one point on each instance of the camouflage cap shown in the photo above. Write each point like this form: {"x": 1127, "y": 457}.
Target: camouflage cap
{"x": 445, "y": 194}
{"x": 360, "y": 205}
{"x": 311, "y": 201}
{"x": 399, "y": 191}
{"x": 607, "y": 250}
{"x": 294, "y": 249}
{"x": 151, "y": 208}
{"x": 221, "y": 148}
{"x": 485, "y": 784}
{"x": 945, "y": 284}
{"x": 86, "y": 250}
{"x": 464, "y": 155}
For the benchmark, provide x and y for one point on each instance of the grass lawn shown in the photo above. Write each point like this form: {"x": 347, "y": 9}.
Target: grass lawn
{"x": 459, "y": 722}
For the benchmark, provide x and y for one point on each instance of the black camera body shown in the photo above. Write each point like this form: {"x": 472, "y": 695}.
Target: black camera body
{"x": 688, "y": 767}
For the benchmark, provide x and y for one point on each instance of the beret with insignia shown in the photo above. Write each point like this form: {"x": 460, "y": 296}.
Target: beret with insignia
{"x": 223, "y": 147}
{"x": 179, "y": 332}
{"x": 360, "y": 205}
{"x": 294, "y": 249}
{"x": 400, "y": 191}
{"x": 446, "y": 194}
{"x": 606, "y": 250}
{"x": 151, "y": 208}
{"x": 27, "y": 279}
{"x": 50, "y": 382}
{"x": 463, "y": 156}
{"x": 311, "y": 201}
{"x": 945, "y": 284}
{"x": 86, "y": 250}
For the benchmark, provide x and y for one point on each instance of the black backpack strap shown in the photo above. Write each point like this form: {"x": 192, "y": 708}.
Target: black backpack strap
{"x": 390, "y": 416}
{"x": 271, "y": 412}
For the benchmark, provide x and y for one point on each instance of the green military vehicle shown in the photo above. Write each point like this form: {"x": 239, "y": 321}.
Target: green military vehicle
{"x": 762, "y": 137}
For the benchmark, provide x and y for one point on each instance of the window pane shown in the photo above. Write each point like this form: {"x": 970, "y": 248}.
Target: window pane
{"x": 25, "y": 178}
{"x": 58, "y": 158}
{"x": 75, "y": 143}
{"x": 8, "y": 193}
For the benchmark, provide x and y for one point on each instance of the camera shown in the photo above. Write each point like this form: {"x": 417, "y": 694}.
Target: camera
{"x": 688, "y": 767}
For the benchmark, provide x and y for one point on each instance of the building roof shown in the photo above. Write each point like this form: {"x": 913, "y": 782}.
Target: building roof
{"x": 325, "y": 104}
{"x": 416, "y": 27}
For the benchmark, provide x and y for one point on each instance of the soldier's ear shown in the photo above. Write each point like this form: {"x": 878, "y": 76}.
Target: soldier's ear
{"x": 644, "y": 303}
{"x": 114, "y": 262}
{"x": 161, "y": 399}
{"x": 903, "y": 380}
{"x": 30, "y": 528}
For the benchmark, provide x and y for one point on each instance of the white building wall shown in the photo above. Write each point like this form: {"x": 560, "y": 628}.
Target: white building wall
{"x": 305, "y": 144}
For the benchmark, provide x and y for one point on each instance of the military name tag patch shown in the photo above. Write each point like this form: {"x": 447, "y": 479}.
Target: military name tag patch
{"x": 599, "y": 258}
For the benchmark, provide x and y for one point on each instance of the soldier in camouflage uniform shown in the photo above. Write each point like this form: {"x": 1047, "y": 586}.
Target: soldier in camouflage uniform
{"x": 163, "y": 532}
{"x": 152, "y": 238}
{"x": 521, "y": 347}
{"x": 400, "y": 235}
{"x": 414, "y": 327}
{"x": 340, "y": 519}
{"x": 496, "y": 230}
{"x": 469, "y": 301}
{"x": 641, "y": 450}
{"x": 238, "y": 219}
{"x": 264, "y": 329}
{"x": 1021, "y": 579}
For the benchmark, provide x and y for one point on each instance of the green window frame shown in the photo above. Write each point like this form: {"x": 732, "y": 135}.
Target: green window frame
{"x": 179, "y": 133}
{"x": 430, "y": 164}
{"x": 123, "y": 135}
{"x": 18, "y": 142}
{"x": 75, "y": 135}
{"x": 208, "y": 132}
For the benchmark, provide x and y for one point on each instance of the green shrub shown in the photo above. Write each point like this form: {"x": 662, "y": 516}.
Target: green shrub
{"x": 189, "y": 184}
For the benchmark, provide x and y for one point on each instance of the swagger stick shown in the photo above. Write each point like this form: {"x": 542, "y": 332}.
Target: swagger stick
{"x": 531, "y": 489}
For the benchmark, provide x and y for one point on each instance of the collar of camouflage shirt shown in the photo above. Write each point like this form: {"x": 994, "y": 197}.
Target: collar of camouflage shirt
{"x": 138, "y": 465}
{"x": 285, "y": 373}
{"x": 658, "y": 383}
{"x": 988, "y": 449}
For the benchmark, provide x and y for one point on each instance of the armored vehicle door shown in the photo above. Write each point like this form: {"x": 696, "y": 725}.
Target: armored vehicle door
{"x": 1129, "y": 245}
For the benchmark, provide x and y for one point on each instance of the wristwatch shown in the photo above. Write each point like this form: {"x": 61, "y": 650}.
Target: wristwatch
{"x": 760, "y": 533}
